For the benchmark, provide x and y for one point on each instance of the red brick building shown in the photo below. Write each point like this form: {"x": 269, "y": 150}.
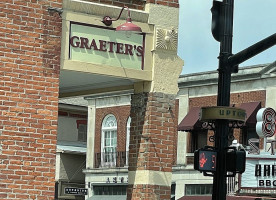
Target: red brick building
{"x": 29, "y": 89}
{"x": 44, "y": 55}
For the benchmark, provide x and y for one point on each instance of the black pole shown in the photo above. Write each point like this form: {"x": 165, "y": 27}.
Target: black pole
{"x": 222, "y": 30}
{"x": 223, "y": 99}
{"x": 252, "y": 50}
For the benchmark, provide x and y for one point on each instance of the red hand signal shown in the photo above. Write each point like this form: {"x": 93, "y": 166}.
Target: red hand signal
{"x": 202, "y": 160}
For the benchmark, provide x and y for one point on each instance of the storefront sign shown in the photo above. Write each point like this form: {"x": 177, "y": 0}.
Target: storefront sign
{"x": 106, "y": 47}
{"x": 265, "y": 128}
{"x": 75, "y": 191}
{"x": 259, "y": 173}
{"x": 218, "y": 112}
{"x": 117, "y": 180}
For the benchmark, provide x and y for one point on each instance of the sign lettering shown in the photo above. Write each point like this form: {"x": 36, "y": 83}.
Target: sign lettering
{"x": 117, "y": 180}
{"x": 76, "y": 191}
{"x": 219, "y": 112}
{"x": 106, "y": 46}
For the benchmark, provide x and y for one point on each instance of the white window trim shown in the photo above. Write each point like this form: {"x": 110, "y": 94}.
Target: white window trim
{"x": 127, "y": 139}
{"x": 104, "y": 129}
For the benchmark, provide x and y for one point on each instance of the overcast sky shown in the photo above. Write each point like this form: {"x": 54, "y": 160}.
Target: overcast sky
{"x": 254, "y": 20}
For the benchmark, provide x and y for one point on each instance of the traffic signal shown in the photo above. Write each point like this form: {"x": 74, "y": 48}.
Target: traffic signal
{"x": 235, "y": 160}
{"x": 216, "y": 20}
{"x": 205, "y": 160}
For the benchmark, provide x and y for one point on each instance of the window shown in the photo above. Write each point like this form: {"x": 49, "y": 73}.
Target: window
{"x": 110, "y": 190}
{"x": 199, "y": 140}
{"x": 82, "y": 133}
{"x": 82, "y": 130}
{"x": 173, "y": 191}
{"x": 197, "y": 190}
{"x": 109, "y": 141}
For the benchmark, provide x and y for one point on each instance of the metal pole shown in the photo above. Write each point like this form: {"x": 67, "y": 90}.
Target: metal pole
{"x": 223, "y": 99}
{"x": 252, "y": 50}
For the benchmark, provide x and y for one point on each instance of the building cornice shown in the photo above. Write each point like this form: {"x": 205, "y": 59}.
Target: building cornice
{"x": 211, "y": 77}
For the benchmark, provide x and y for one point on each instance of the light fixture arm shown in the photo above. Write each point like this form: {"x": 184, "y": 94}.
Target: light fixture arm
{"x": 108, "y": 20}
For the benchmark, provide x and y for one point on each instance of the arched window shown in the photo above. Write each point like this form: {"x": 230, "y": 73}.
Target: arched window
{"x": 109, "y": 141}
{"x": 127, "y": 139}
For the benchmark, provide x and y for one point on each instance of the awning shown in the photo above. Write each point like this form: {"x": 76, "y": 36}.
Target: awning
{"x": 190, "y": 121}
{"x": 251, "y": 109}
{"x": 227, "y": 198}
{"x": 108, "y": 197}
{"x": 71, "y": 149}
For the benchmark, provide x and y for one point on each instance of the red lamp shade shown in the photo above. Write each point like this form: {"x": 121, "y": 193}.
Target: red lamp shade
{"x": 129, "y": 26}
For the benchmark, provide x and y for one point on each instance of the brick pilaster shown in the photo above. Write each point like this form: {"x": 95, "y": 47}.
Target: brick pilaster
{"x": 151, "y": 150}
{"x": 29, "y": 87}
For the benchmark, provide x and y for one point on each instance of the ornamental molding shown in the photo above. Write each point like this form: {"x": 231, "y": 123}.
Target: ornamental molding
{"x": 166, "y": 39}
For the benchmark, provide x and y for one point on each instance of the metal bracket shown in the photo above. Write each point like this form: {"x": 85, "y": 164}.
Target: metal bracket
{"x": 52, "y": 10}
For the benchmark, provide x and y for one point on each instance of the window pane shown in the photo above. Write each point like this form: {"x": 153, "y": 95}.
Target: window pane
{"x": 107, "y": 134}
{"x": 188, "y": 190}
{"x": 110, "y": 190}
{"x": 198, "y": 189}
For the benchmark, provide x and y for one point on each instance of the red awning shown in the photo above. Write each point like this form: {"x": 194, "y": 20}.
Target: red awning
{"x": 227, "y": 198}
{"x": 251, "y": 110}
{"x": 190, "y": 121}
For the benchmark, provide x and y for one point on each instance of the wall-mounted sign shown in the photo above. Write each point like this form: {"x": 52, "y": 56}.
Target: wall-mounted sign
{"x": 117, "y": 180}
{"x": 259, "y": 173}
{"x": 265, "y": 128}
{"x": 76, "y": 191}
{"x": 103, "y": 46}
{"x": 219, "y": 112}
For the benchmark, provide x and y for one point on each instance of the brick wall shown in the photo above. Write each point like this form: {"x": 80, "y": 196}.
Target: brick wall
{"x": 29, "y": 71}
{"x": 235, "y": 98}
{"x": 152, "y": 140}
{"x": 122, "y": 114}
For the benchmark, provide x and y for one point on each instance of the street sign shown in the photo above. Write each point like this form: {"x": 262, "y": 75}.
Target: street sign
{"x": 222, "y": 112}
{"x": 76, "y": 191}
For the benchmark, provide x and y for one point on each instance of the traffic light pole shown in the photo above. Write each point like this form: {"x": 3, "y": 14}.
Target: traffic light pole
{"x": 223, "y": 99}
{"x": 223, "y": 32}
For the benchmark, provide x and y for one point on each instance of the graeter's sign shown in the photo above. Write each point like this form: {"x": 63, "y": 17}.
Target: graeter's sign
{"x": 100, "y": 46}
